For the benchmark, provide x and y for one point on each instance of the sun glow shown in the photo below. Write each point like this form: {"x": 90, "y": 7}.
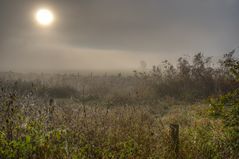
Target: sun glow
{"x": 44, "y": 17}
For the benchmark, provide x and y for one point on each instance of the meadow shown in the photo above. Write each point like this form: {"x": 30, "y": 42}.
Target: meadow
{"x": 91, "y": 116}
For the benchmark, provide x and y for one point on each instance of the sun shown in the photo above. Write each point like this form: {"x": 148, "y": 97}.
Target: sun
{"x": 44, "y": 17}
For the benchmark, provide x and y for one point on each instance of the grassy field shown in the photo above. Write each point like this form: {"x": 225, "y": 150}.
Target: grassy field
{"x": 72, "y": 116}
{"x": 66, "y": 129}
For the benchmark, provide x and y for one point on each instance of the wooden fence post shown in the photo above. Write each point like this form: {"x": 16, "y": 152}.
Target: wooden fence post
{"x": 174, "y": 133}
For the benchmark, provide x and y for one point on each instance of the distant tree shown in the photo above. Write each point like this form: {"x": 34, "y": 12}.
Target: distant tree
{"x": 143, "y": 65}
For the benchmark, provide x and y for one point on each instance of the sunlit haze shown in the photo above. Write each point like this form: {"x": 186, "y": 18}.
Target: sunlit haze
{"x": 113, "y": 34}
{"x": 44, "y": 17}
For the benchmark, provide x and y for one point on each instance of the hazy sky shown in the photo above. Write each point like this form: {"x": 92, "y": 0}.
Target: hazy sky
{"x": 114, "y": 34}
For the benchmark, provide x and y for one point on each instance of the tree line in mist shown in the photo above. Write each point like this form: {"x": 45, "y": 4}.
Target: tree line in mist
{"x": 189, "y": 81}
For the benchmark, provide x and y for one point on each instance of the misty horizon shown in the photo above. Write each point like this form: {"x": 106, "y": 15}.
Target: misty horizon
{"x": 114, "y": 35}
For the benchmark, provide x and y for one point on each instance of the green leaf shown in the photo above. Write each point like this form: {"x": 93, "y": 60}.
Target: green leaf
{"x": 28, "y": 139}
